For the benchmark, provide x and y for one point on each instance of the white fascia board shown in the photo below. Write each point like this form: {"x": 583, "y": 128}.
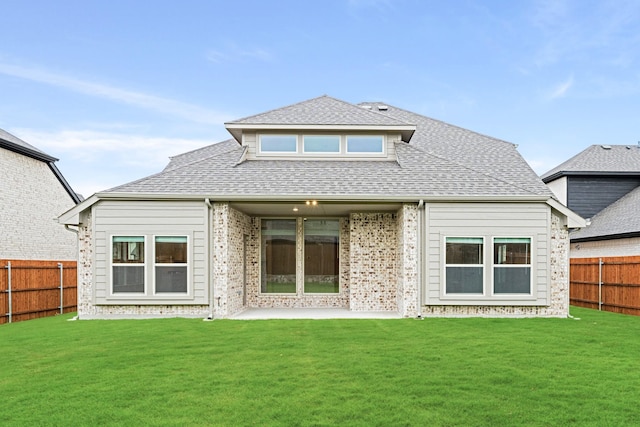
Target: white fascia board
{"x": 72, "y": 216}
{"x": 573, "y": 219}
{"x": 319, "y": 197}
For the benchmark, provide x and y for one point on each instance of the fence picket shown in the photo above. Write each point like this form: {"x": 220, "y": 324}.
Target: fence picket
{"x": 610, "y": 284}
{"x": 32, "y": 289}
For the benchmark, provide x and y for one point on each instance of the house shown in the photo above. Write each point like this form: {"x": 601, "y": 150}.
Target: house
{"x": 602, "y": 183}
{"x": 323, "y": 204}
{"x": 33, "y": 193}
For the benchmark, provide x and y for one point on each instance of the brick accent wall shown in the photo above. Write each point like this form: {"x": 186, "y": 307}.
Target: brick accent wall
{"x": 374, "y": 262}
{"x": 31, "y": 197}
{"x": 408, "y": 260}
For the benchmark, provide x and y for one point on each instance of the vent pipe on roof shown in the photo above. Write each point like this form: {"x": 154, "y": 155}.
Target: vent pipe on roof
{"x": 383, "y": 107}
{"x": 368, "y": 107}
{"x": 606, "y": 147}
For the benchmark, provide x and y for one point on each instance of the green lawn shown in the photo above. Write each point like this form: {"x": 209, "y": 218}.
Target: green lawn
{"x": 434, "y": 372}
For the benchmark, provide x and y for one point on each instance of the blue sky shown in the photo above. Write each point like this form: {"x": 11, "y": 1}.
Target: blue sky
{"x": 112, "y": 88}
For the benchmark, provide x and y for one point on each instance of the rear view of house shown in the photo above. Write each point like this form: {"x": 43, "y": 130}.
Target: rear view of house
{"x": 324, "y": 203}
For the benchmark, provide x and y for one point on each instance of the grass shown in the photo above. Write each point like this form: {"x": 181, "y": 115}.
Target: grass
{"x": 435, "y": 372}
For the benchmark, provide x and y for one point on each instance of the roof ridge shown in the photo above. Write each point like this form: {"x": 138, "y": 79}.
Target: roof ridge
{"x": 201, "y": 148}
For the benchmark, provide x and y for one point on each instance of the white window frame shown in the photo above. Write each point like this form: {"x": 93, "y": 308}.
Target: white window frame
{"x": 323, "y": 153}
{"x": 186, "y": 265}
{"x": 278, "y": 153}
{"x": 299, "y": 260}
{"x": 483, "y": 263}
{"x": 112, "y": 264}
{"x": 382, "y": 153}
{"x": 494, "y": 265}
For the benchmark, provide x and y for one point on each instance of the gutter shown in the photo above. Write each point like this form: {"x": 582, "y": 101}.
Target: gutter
{"x": 421, "y": 256}
{"x": 208, "y": 263}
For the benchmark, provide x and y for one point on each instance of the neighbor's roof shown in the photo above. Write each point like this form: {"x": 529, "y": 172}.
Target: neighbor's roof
{"x": 15, "y": 144}
{"x": 440, "y": 161}
{"x": 599, "y": 159}
{"x": 620, "y": 219}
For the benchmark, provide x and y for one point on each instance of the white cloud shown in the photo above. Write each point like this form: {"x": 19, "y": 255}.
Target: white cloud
{"x": 561, "y": 89}
{"x": 166, "y": 106}
{"x": 125, "y": 149}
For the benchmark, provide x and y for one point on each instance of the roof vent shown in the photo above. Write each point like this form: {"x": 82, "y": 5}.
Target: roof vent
{"x": 606, "y": 147}
{"x": 366, "y": 107}
{"x": 383, "y": 107}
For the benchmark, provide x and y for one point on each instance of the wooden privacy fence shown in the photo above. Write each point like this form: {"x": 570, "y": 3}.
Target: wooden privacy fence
{"x": 32, "y": 289}
{"x": 610, "y": 284}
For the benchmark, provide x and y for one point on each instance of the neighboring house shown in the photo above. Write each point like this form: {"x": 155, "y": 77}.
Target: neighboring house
{"x": 329, "y": 204}
{"x": 602, "y": 184}
{"x": 33, "y": 193}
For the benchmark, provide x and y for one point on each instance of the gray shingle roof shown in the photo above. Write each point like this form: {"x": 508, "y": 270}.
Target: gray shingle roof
{"x": 441, "y": 160}
{"x": 323, "y": 110}
{"x": 600, "y": 159}
{"x": 619, "y": 218}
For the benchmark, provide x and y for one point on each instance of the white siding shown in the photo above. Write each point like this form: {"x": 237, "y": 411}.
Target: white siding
{"x": 149, "y": 218}
{"x": 31, "y": 197}
{"x": 488, "y": 220}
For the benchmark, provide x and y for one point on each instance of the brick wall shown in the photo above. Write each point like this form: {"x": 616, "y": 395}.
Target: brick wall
{"x": 31, "y": 197}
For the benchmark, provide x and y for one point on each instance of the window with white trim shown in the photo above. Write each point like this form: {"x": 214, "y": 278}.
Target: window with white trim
{"x": 278, "y": 143}
{"x": 464, "y": 265}
{"x": 321, "y": 144}
{"x": 511, "y": 265}
{"x": 365, "y": 144}
{"x": 128, "y": 264}
{"x": 171, "y": 262}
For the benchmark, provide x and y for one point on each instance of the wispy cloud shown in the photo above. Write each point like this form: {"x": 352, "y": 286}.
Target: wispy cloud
{"x": 145, "y": 101}
{"x": 560, "y": 90}
{"x": 234, "y": 53}
{"x": 123, "y": 149}
{"x": 93, "y": 161}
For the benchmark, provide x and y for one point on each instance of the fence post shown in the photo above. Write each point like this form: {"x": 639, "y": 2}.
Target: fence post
{"x": 61, "y": 287}
{"x": 8, "y": 267}
{"x": 600, "y": 284}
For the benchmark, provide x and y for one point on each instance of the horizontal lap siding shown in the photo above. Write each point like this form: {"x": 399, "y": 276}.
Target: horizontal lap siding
{"x": 151, "y": 218}
{"x": 488, "y": 220}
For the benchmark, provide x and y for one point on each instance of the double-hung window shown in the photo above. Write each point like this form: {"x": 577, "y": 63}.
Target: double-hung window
{"x": 511, "y": 265}
{"x": 464, "y": 268}
{"x": 128, "y": 265}
{"x": 171, "y": 261}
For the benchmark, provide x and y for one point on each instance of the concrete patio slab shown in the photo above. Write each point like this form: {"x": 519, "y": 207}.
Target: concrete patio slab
{"x": 312, "y": 313}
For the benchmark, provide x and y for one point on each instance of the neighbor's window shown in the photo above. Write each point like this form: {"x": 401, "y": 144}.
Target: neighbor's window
{"x": 321, "y": 256}
{"x": 365, "y": 144}
{"x": 511, "y": 265}
{"x": 464, "y": 267}
{"x": 127, "y": 264}
{"x": 278, "y": 256}
{"x": 321, "y": 144}
{"x": 278, "y": 143}
{"x": 171, "y": 264}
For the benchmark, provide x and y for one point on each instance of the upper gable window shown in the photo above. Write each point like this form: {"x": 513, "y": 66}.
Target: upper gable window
{"x": 321, "y": 144}
{"x": 368, "y": 144}
{"x": 278, "y": 143}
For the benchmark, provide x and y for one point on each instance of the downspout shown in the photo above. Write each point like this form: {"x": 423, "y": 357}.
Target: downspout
{"x": 209, "y": 283}
{"x": 420, "y": 242}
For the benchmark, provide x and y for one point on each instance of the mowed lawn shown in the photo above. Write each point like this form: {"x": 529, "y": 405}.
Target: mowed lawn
{"x": 432, "y": 372}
